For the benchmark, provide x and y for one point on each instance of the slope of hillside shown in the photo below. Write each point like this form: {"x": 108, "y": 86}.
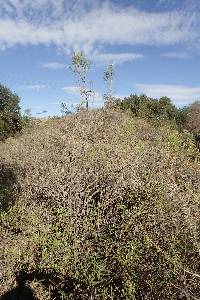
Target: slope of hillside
{"x": 100, "y": 206}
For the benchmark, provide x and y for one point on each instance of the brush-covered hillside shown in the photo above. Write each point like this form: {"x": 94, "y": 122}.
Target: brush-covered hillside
{"x": 100, "y": 205}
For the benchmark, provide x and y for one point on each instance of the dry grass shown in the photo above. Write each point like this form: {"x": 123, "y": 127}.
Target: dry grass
{"x": 106, "y": 207}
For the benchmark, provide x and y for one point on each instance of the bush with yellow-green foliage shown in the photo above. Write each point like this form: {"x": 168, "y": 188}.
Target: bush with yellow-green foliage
{"x": 102, "y": 206}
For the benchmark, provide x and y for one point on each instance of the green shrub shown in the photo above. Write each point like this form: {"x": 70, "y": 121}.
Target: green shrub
{"x": 10, "y": 117}
{"x": 158, "y": 111}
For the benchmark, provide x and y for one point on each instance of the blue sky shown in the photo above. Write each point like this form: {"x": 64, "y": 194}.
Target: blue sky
{"x": 154, "y": 45}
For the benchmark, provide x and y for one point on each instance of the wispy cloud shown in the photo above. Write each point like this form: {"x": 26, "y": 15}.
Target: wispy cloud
{"x": 178, "y": 93}
{"x": 71, "y": 89}
{"x": 54, "y": 65}
{"x": 36, "y": 87}
{"x": 117, "y": 58}
{"x": 34, "y": 22}
{"x": 101, "y": 58}
{"x": 74, "y": 91}
{"x": 176, "y": 55}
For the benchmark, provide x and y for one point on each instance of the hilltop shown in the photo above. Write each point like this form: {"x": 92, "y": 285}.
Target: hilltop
{"x": 100, "y": 205}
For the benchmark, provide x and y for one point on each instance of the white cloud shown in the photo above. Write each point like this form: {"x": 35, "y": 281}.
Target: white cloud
{"x": 36, "y": 87}
{"x": 101, "y": 58}
{"x": 178, "y": 93}
{"x": 54, "y": 65}
{"x": 176, "y": 55}
{"x": 76, "y": 90}
{"x": 35, "y": 23}
{"x": 120, "y": 96}
{"x": 71, "y": 89}
{"x": 55, "y": 103}
{"x": 116, "y": 58}
{"x": 96, "y": 98}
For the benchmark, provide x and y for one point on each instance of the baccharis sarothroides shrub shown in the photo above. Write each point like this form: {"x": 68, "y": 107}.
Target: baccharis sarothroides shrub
{"x": 107, "y": 208}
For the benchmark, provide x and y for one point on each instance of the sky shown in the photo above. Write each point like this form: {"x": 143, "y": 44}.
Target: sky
{"x": 153, "y": 44}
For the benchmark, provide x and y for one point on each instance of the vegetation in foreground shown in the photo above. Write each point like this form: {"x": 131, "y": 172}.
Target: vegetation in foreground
{"x": 100, "y": 205}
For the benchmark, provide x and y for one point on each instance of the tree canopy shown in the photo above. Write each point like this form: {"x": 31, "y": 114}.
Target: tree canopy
{"x": 157, "y": 110}
{"x": 10, "y": 116}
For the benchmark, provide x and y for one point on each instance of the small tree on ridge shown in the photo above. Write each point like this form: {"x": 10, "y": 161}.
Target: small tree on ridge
{"x": 108, "y": 79}
{"x": 80, "y": 66}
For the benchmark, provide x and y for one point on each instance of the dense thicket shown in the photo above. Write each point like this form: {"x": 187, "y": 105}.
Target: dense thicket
{"x": 107, "y": 208}
{"x": 10, "y": 117}
{"x": 157, "y": 110}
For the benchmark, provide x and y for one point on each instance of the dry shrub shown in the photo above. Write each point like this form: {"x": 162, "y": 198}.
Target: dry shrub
{"x": 108, "y": 209}
{"x": 192, "y": 117}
